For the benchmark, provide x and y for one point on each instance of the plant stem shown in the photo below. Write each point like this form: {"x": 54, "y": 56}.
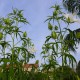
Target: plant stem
{"x": 62, "y": 51}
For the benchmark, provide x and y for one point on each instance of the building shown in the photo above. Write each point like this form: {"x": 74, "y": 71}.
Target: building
{"x": 29, "y": 67}
{"x": 25, "y": 67}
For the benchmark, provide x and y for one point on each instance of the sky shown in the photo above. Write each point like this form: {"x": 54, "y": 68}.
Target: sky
{"x": 36, "y": 12}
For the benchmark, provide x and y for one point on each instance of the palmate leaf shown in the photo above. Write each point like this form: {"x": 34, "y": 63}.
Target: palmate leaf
{"x": 70, "y": 57}
{"x": 4, "y": 43}
{"x": 17, "y": 15}
{"x": 49, "y": 18}
{"x": 47, "y": 39}
{"x": 72, "y": 40}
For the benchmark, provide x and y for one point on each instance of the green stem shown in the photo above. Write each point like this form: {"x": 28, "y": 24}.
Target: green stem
{"x": 4, "y": 47}
{"x": 61, "y": 45}
{"x": 65, "y": 30}
{"x": 12, "y": 47}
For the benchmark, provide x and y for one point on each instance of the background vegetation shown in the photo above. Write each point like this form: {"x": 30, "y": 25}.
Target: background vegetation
{"x": 18, "y": 48}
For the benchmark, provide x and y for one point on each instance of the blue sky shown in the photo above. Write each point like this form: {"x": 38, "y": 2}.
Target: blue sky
{"x": 36, "y": 12}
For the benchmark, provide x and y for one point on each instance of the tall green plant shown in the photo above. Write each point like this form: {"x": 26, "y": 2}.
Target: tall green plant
{"x": 15, "y": 46}
{"x": 55, "y": 47}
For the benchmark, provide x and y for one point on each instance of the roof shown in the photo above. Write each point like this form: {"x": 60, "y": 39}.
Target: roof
{"x": 25, "y": 66}
{"x": 30, "y": 65}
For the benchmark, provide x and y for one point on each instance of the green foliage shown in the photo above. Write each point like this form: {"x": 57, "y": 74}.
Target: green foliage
{"x": 65, "y": 73}
{"x": 14, "y": 45}
{"x": 16, "y": 50}
{"x": 72, "y": 6}
{"x": 57, "y": 46}
{"x": 78, "y": 69}
{"x": 73, "y": 38}
{"x": 1, "y": 35}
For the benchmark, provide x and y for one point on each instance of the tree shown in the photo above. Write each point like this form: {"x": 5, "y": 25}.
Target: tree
{"x": 72, "y": 6}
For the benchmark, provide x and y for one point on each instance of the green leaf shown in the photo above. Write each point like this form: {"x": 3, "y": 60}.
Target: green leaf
{"x": 57, "y": 47}
{"x": 5, "y": 60}
{"x": 1, "y": 35}
{"x": 69, "y": 56}
{"x": 77, "y": 34}
{"x": 48, "y": 38}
